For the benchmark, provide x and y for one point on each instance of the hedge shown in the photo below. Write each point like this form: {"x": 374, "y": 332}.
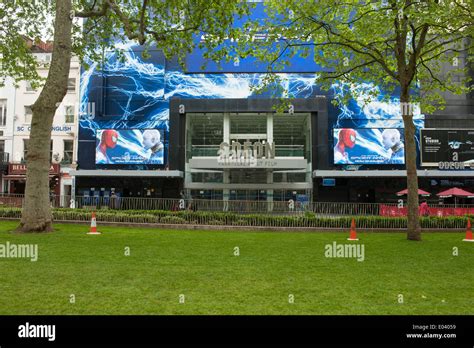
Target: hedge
{"x": 310, "y": 220}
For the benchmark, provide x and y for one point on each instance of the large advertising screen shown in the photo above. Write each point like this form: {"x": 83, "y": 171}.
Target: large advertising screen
{"x": 129, "y": 146}
{"x": 196, "y": 61}
{"x": 369, "y": 146}
{"x": 447, "y": 145}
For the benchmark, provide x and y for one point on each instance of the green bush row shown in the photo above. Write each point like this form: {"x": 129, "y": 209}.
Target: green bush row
{"x": 234, "y": 219}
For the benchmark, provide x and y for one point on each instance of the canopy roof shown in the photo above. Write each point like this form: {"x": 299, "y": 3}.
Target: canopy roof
{"x": 456, "y": 192}
{"x": 420, "y": 193}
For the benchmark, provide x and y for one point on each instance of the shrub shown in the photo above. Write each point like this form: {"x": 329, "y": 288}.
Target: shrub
{"x": 308, "y": 219}
{"x": 240, "y": 222}
{"x": 9, "y": 212}
{"x": 172, "y": 220}
{"x": 215, "y": 222}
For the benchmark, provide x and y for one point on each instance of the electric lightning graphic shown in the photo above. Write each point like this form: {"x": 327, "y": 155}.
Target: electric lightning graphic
{"x": 140, "y": 91}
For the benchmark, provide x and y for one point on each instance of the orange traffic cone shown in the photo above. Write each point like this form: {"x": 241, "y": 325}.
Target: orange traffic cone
{"x": 468, "y": 232}
{"x": 353, "y": 233}
{"x": 93, "y": 229}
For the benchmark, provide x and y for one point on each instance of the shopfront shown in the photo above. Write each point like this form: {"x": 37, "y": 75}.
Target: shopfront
{"x": 16, "y": 178}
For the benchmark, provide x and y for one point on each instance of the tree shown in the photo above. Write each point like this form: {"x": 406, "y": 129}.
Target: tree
{"x": 170, "y": 25}
{"x": 393, "y": 43}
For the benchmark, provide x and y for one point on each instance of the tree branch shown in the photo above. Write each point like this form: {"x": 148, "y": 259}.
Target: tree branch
{"x": 131, "y": 34}
{"x": 444, "y": 43}
{"x": 335, "y": 76}
{"x": 92, "y": 13}
{"x": 375, "y": 54}
{"x": 441, "y": 53}
{"x": 142, "y": 23}
{"x": 416, "y": 51}
{"x": 441, "y": 83}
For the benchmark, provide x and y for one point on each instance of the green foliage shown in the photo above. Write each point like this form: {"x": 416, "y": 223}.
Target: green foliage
{"x": 306, "y": 220}
{"x": 393, "y": 44}
{"x": 20, "y": 20}
{"x": 169, "y": 26}
{"x": 172, "y": 220}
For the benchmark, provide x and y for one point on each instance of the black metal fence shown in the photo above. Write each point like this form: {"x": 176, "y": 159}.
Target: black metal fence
{"x": 323, "y": 209}
{"x": 195, "y": 219}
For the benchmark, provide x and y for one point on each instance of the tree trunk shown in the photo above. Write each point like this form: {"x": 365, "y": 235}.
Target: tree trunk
{"x": 414, "y": 230}
{"x": 36, "y": 214}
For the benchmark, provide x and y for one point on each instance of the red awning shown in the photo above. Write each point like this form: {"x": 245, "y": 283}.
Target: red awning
{"x": 420, "y": 193}
{"x": 456, "y": 192}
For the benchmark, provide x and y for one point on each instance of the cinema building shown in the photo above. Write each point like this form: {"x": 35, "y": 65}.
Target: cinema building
{"x": 150, "y": 128}
{"x": 241, "y": 149}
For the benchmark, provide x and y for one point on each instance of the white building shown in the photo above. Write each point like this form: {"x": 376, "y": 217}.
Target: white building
{"x": 7, "y": 107}
{"x": 15, "y": 124}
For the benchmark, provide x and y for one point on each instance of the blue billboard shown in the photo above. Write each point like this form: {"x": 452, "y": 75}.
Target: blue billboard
{"x": 197, "y": 63}
{"x": 369, "y": 146}
{"x": 132, "y": 94}
{"x": 129, "y": 146}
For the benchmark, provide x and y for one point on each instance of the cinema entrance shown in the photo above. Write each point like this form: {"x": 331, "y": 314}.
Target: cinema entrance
{"x": 261, "y": 156}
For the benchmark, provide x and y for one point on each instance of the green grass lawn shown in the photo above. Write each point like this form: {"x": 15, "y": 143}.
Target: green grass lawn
{"x": 201, "y": 265}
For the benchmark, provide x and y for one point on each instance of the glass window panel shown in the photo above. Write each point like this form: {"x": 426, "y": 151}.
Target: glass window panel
{"x": 248, "y": 176}
{"x": 204, "y": 134}
{"x": 68, "y": 151}
{"x": 71, "y": 84}
{"x": 289, "y": 177}
{"x": 291, "y": 135}
{"x": 207, "y": 177}
{"x": 248, "y": 123}
{"x": 3, "y": 112}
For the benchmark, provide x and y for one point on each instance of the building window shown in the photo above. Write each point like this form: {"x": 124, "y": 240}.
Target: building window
{"x": 292, "y": 135}
{"x": 251, "y": 123}
{"x": 69, "y": 117}
{"x": 25, "y": 149}
{"x": 2, "y": 146}
{"x": 68, "y": 151}
{"x": 204, "y": 134}
{"x": 47, "y": 58}
{"x": 29, "y": 88}
{"x": 28, "y": 114}
{"x": 3, "y": 112}
{"x": 51, "y": 150}
{"x": 71, "y": 84}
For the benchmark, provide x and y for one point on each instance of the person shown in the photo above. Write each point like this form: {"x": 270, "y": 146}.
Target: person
{"x": 51, "y": 197}
{"x": 113, "y": 200}
{"x": 347, "y": 140}
{"x": 109, "y": 138}
{"x": 424, "y": 208}
{"x": 392, "y": 142}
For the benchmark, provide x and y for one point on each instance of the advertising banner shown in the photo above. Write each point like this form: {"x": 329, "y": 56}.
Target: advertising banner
{"x": 129, "y": 146}
{"x": 393, "y": 210}
{"x": 196, "y": 61}
{"x": 369, "y": 146}
{"x": 447, "y": 146}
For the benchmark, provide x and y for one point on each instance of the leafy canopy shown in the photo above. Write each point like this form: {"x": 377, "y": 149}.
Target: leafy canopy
{"x": 169, "y": 25}
{"x": 395, "y": 44}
